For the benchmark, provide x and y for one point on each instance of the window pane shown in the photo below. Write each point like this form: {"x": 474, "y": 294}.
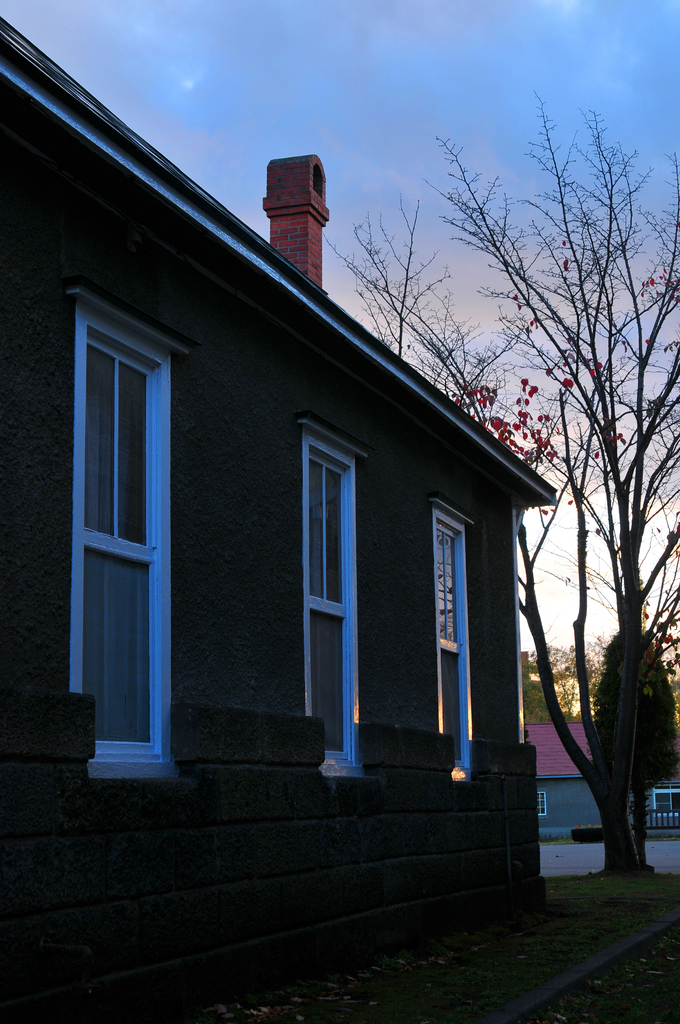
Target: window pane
{"x": 116, "y": 645}
{"x": 326, "y": 671}
{"x": 663, "y": 801}
{"x": 441, "y": 585}
{"x": 450, "y": 591}
{"x": 450, "y": 698}
{"x": 333, "y": 554}
{"x": 315, "y": 529}
{"x": 131, "y": 454}
{"x": 675, "y": 799}
{"x": 99, "y": 441}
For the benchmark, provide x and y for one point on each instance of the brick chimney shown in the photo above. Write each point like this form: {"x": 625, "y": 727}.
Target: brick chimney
{"x": 296, "y": 206}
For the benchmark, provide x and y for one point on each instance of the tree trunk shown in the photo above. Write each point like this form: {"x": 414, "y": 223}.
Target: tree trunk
{"x": 620, "y": 851}
{"x": 640, "y": 822}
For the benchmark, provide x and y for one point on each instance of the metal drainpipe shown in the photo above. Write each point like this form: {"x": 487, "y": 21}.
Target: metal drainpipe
{"x": 508, "y": 855}
{"x": 480, "y": 771}
{"x": 85, "y": 986}
{"x": 508, "y": 852}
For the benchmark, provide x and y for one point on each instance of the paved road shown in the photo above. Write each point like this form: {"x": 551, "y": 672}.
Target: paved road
{"x": 580, "y": 858}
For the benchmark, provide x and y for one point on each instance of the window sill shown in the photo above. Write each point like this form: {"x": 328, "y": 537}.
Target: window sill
{"x": 335, "y": 768}
{"x": 101, "y": 769}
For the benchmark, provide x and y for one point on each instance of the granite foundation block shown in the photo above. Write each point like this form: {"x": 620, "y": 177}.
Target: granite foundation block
{"x": 178, "y": 923}
{"x": 415, "y": 790}
{"x": 140, "y": 864}
{"x": 232, "y": 875}
{"x": 90, "y": 805}
{"x": 470, "y": 796}
{"x": 255, "y": 793}
{"x": 236, "y": 851}
{"x": 285, "y": 847}
{"x": 340, "y": 842}
{"x": 362, "y": 887}
{"x": 315, "y": 796}
{"x": 209, "y": 734}
{"x": 27, "y": 805}
{"x": 111, "y": 930}
{"x": 482, "y": 868}
{"x": 39, "y": 874}
{"x": 197, "y": 859}
{"x": 250, "y": 908}
{"x": 311, "y": 897}
{"x": 526, "y": 794}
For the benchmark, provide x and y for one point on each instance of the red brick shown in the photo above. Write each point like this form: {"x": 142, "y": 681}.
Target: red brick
{"x": 297, "y": 212}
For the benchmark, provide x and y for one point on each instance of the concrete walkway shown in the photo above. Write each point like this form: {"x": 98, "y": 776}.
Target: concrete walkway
{"x": 580, "y": 858}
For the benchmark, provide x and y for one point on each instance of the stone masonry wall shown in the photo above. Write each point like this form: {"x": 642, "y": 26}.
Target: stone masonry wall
{"x": 234, "y": 876}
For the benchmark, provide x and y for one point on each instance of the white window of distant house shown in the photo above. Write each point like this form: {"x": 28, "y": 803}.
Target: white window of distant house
{"x": 452, "y": 629}
{"x": 542, "y": 807}
{"x": 120, "y": 635}
{"x": 329, "y": 572}
{"x": 667, "y": 798}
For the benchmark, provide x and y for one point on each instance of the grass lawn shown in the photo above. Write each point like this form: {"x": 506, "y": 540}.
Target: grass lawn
{"x": 464, "y": 976}
{"x": 645, "y": 991}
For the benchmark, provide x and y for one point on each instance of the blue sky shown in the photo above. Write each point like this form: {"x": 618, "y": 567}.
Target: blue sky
{"x": 369, "y": 85}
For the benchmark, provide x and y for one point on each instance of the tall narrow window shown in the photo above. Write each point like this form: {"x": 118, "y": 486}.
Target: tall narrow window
{"x": 120, "y": 614}
{"x": 115, "y": 667}
{"x": 330, "y": 589}
{"x": 449, "y": 545}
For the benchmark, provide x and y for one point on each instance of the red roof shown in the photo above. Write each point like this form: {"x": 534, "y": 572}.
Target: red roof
{"x": 551, "y": 757}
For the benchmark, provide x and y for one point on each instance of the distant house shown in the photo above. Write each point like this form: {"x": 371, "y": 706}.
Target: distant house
{"x": 564, "y": 798}
{"x": 260, "y": 663}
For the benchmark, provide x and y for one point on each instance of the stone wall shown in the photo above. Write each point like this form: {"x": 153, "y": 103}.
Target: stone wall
{"x": 234, "y": 876}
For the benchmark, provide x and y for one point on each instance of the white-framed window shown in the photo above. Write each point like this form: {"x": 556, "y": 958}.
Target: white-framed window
{"x": 667, "y": 797}
{"x": 542, "y": 806}
{"x": 452, "y": 628}
{"x": 329, "y": 577}
{"x": 120, "y": 617}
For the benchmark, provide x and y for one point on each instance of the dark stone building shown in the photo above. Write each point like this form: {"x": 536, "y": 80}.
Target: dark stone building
{"x": 257, "y": 595}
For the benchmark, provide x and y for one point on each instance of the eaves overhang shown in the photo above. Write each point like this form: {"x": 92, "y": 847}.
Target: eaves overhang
{"x": 28, "y": 71}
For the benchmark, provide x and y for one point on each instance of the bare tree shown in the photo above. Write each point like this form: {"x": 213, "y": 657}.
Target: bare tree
{"x": 591, "y": 285}
{"x": 408, "y": 306}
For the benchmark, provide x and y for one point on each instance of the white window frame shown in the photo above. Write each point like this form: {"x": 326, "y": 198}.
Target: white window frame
{"x": 454, "y": 523}
{"x": 541, "y": 803}
{"x": 669, "y": 788}
{"x": 338, "y": 453}
{"x": 101, "y": 324}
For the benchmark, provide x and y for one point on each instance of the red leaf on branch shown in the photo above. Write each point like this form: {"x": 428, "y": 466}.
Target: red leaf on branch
{"x": 566, "y": 264}
{"x": 567, "y": 383}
